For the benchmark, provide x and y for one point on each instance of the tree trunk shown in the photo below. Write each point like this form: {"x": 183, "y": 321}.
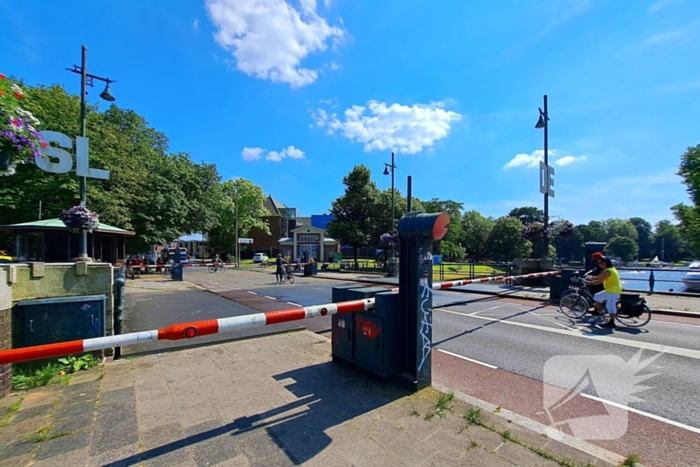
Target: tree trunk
{"x": 354, "y": 255}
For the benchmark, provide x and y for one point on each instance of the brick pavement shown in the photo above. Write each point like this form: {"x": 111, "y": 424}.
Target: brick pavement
{"x": 270, "y": 401}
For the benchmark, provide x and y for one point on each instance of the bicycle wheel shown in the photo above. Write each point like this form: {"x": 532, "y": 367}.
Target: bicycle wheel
{"x": 573, "y": 305}
{"x": 283, "y": 278}
{"x": 222, "y": 268}
{"x": 635, "y": 322}
{"x": 290, "y": 278}
{"x": 212, "y": 269}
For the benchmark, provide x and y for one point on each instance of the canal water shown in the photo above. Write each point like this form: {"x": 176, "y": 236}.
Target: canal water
{"x": 665, "y": 280}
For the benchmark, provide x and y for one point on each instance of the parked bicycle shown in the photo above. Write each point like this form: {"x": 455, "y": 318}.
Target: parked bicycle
{"x": 217, "y": 267}
{"x": 288, "y": 275}
{"x": 576, "y": 301}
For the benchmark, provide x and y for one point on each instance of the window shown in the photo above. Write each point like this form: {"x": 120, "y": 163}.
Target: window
{"x": 305, "y": 238}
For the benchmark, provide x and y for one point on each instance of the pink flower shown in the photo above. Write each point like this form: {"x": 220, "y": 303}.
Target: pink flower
{"x": 2, "y": 76}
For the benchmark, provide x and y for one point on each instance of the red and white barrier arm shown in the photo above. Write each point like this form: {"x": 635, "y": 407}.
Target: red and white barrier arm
{"x": 182, "y": 331}
{"x": 448, "y": 284}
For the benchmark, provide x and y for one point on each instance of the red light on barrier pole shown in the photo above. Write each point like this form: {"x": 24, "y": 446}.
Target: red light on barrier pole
{"x": 190, "y": 332}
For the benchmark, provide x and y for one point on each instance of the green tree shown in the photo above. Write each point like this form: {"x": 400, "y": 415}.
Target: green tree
{"x": 477, "y": 229}
{"x": 667, "y": 241}
{"x": 251, "y": 211}
{"x": 570, "y": 248}
{"x": 644, "y": 233}
{"x": 623, "y": 247}
{"x": 619, "y": 228}
{"x": 594, "y": 231}
{"x": 689, "y": 216}
{"x": 382, "y": 214}
{"x": 354, "y": 212}
{"x": 527, "y": 215}
{"x": 506, "y": 240}
{"x": 452, "y": 241}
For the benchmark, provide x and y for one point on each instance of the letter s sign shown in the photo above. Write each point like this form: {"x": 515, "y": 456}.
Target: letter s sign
{"x": 65, "y": 161}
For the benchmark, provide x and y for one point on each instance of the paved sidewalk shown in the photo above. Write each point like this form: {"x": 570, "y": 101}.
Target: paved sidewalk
{"x": 271, "y": 401}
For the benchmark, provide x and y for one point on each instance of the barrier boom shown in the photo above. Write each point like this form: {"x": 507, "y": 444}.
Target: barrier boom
{"x": 221, "y": 325}
{"x": 182, "y": 331}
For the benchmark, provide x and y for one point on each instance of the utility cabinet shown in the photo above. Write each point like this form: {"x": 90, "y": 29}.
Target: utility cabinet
{"x": 48, "y": 321}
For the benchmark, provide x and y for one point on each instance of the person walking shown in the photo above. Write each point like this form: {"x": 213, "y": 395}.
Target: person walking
{"x": 279, "y": 262}
{"x": 612, "y": 289}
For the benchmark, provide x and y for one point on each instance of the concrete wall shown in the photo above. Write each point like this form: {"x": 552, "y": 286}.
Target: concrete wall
{"x": 49, "y": 280}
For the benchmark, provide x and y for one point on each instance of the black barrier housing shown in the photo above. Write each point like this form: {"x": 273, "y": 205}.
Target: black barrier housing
{"x": 368, "y": 339}
{"x": 417, "y": 231}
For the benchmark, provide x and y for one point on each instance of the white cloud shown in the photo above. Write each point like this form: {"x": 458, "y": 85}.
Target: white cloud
{"x": 401, "y": 128}
{"x": 252, "y": 154}
{"x": 195, "y": 24}
{"x": 659, "y": 5}
{"x": 669, "y": 36}
{"x": 270, "y": 38}
{"x": 532, "y": 160}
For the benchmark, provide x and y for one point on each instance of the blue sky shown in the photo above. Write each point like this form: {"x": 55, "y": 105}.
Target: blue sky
{"x": 292, "y": 95}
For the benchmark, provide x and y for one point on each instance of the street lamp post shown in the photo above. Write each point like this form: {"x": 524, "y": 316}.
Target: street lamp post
{"x": 546, "y": 172}
{"x": 236, "y": 224}
{"x": 391, "y": 166}
{"x": 86, "y": 80}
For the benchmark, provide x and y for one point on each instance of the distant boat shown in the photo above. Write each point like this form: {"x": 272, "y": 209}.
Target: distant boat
{"x": 692, "y": 277}
{"x": 655, "y": 263}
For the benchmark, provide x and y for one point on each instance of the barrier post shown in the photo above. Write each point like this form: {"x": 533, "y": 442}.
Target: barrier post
{"x": 119, "y": 284}
{"x": 417, "y": 231}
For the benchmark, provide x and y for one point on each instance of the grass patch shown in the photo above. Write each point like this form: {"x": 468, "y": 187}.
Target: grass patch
{"x": 474, "y": 416}
{"x": 631, "y": 460}
{"x": 30, "y": 376}
{"x": 507, "y": 436}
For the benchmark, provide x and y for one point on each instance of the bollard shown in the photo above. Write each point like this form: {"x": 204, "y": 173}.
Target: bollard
{"x": 417, "y": 231}
{"x": 119, "y": 284}
{"x": 651, "y": 282}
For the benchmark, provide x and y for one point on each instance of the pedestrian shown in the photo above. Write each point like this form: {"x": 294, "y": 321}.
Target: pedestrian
{"x": 279, "y": 271}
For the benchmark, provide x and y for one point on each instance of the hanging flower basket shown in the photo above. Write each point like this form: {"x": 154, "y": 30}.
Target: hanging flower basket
{"x": 79, "y": 219}
{"x": 533, "y": 231}
{"x": 560, "y": 229}
{"x": 20, "y": 141}
{"x": 389, "y": 238}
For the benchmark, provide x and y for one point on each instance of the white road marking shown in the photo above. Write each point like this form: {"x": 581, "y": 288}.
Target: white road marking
{"x": 271, "y": 298}
{"x": 254, "y": 293}
{"x": 316, "y": 288}
{"x": 690, "y": 353}
{"x": 645, "y": 414}
{"x": 468, "y": 359}
{"x": 235, "y": 288}
{"x": 295, "y": 304}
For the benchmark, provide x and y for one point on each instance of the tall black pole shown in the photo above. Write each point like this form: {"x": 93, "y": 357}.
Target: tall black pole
{"x": 408, "y": 194}
{"x": 83, "y": 133}
{"x": 546, "y": 163}
{"x": 393, "y": 215}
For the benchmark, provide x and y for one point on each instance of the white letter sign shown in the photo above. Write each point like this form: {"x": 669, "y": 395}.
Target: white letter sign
{"x": 65, "y": 161}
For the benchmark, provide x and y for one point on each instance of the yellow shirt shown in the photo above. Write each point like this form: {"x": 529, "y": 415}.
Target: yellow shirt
{"x": 612, "y": 283}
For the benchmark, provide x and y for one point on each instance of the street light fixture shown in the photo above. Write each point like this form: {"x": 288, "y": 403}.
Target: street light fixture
{"x": 391, "y": 166}
{"x": 545, "y": 172}
{"x": 85, "y": 81}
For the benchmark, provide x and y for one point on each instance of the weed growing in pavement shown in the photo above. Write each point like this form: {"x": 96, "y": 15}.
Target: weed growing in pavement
{"x": 473, "y": 445}
{"x": 28, "y": 378}
{"x": 414, "y": 412}
{"x": 13, "y": 408}
{"x": 474, "y": 416}
{"x": 443, "y": 403}
{"x": 631, "y": 460}
{"x": 429, "y": 415}
{"x": 44, "y": 434}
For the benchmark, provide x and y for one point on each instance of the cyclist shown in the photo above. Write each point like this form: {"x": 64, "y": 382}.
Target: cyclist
{"x": 279, "y": 262}
{"x": 595, "y": 272}
{"x": 216, "y": 260}
{"x": 612, "y": 288}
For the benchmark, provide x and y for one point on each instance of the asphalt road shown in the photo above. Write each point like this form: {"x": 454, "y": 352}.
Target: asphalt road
{"x": 533, "y": 342}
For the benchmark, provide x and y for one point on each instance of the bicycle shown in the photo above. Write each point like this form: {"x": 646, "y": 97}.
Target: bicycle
{"x": 288, "y": 275}
{"x": 216, "y": 267}
{"x": 632, "y": 310}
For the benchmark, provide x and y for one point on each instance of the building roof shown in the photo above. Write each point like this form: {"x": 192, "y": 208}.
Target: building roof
{"x": 56, "y": 224}
{"x": 272, "y": 205}
{"x": 304, "y": 221}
